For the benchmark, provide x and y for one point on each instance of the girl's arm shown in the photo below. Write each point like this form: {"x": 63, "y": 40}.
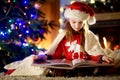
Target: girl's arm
{"x": 102, "y": 58}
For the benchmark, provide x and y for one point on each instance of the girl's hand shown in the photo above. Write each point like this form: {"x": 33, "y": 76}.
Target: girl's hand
{"x": 107, "y": 59}
{"x": 41, "y": 57}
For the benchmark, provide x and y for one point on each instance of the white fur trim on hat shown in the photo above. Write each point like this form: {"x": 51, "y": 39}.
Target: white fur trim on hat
{"x": 91, "y": 20}
{"x": 79, "y": 15}
{"x": 75, "y": 14}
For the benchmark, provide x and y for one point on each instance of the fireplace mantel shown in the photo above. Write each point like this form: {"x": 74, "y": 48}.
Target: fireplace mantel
{"x": 107, "y": 16}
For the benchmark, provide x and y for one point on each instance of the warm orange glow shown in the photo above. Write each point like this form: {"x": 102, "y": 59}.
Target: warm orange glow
{"x": 29, "y": 40}
{"x": 116, "y": 47}
{"x": 39, "y": 46}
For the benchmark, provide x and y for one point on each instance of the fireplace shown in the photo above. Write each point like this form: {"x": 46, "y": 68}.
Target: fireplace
{"x": 110, "y": 29}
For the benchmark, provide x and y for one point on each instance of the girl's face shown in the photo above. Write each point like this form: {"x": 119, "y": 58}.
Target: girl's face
{"x": 76, "y": 24}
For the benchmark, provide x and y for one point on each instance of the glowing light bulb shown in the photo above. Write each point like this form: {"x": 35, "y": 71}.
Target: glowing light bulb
{"x": 37, "y": 6}
{"x": 61, "y": 9}
{"x": 92, "y": 1}
{"x": 60, "y": 21}
{"x": 0, "y": 48}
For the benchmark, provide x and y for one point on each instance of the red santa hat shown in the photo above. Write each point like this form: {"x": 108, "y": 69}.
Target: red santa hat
{"x": 80, "y": 11}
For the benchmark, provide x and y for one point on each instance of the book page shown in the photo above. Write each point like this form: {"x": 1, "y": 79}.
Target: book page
{"x": 78, "y": 61}
{"x": 90, "y": 63}
{"x": 55, "y": 63}
{"x": 60, "y": 62}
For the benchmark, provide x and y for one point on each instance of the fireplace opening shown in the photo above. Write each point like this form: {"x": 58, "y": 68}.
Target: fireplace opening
{"x": 109, "y": 29}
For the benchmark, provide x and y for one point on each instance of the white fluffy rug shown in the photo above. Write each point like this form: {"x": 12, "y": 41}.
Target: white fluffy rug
{"x": 115, "y": 77}
{"x": 61, "y": 78}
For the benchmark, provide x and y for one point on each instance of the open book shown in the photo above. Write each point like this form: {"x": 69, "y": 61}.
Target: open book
{"x": 67, "y": 64}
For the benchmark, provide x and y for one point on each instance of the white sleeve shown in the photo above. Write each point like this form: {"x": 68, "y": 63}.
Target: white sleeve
{"x": 92, "y": 45}
{"x": 56, "y": 41}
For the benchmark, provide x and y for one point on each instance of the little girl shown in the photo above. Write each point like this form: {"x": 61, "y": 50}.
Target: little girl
{"x": 76, "y": 41}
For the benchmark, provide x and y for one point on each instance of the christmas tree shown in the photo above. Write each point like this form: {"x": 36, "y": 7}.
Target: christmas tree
{"x": 21, "y": 22}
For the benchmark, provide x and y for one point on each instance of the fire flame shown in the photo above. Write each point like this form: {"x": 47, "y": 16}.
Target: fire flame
{"x": 105, "y": 42}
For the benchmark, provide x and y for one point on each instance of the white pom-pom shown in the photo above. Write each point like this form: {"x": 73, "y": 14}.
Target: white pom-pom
{"x": 91, "y": 20}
